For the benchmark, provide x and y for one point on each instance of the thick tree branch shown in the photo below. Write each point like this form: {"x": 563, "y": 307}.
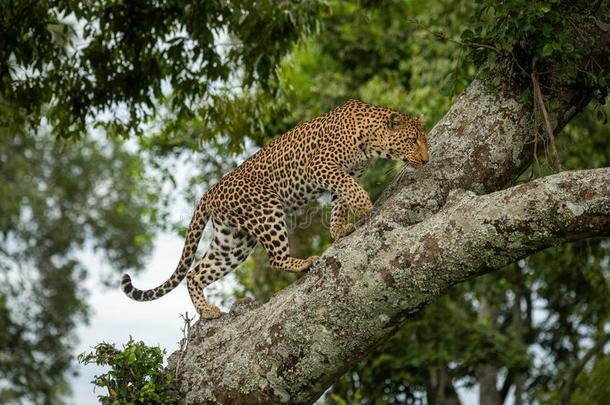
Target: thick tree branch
{"x": 365, "y": 286}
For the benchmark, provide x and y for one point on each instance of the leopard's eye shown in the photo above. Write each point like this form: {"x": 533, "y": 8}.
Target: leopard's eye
{"x": 413, "y": 140}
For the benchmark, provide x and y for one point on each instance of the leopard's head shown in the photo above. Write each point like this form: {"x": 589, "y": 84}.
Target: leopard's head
{"x": 402, "y": 138}
{"x": 406, "y": 139}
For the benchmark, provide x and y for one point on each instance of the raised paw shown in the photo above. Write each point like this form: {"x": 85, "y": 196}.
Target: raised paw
{"x": 339, "y": 231}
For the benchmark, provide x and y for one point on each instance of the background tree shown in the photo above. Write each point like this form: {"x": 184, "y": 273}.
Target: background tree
{"x": 69, "y": 66}
{"x": 75, "y": 62}
{"x": 59, "y": 200}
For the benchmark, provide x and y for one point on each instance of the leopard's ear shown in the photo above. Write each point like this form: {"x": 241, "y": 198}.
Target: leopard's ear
{"x": 395, "y": 119}
{"x": 420, "y": 119}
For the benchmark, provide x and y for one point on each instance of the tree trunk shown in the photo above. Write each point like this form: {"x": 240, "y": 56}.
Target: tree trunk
{"x": 488, "y": 373}
{"x": 440, "y": 390}
{"x": 422, "y": 239}
{"x": 518, "y": 330}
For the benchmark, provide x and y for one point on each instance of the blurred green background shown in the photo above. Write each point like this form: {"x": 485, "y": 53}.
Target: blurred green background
{"x": 100, "y": 101}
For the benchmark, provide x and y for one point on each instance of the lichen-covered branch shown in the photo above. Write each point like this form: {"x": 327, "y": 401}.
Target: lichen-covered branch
{"x": 365, "y": 286}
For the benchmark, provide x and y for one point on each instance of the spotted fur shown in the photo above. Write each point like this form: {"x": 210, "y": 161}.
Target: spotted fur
{"x": 248, "y": 205}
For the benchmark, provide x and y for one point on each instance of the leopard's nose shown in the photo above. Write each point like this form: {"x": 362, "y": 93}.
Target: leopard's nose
{"x": 424, "y": 157}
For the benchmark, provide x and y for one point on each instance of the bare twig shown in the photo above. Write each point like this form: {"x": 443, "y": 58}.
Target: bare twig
{"x": 540, "y": 110}
{"x": 442, "y": 37}
{"x": 186, "y": 329}
{"x": 516, "y": 61}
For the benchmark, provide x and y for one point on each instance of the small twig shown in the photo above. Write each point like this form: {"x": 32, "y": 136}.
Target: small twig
{"x": 443, "y": 37}
{"x": 536, "y": 162}
{"x": 185, "y": 330}
{"x": 514, "y": 58}
{"x": 577, "y": 30}
{"x": 184, "y": 342}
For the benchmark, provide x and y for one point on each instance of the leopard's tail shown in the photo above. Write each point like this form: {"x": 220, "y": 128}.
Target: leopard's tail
{"x": 193, "y": 236}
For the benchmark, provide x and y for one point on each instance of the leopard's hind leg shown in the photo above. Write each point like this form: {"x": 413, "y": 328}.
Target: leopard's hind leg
{"x": 269, "y": 227}
{"x": 229, "y": 248}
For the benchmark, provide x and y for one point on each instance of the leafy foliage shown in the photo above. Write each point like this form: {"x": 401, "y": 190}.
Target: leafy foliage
{"x": 532, "y": 35}
{"x": 136, "y": 374}
{"x": 112, "y": 63}
{"x": 594, "y": 385}
{"x": 223, "y": 77}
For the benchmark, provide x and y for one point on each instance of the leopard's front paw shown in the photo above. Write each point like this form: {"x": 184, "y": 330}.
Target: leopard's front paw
{"x": 307, "y": 263}
{"x": 312, "y": 260}
{"x": 339, "y": 231}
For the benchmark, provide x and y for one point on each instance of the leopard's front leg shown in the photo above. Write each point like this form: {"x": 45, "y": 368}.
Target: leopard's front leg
{"x": 332, "y": 177}
{"x": 339, "y": 226}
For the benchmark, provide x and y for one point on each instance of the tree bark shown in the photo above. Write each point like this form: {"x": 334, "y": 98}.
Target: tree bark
{"x": 426, "y": 234}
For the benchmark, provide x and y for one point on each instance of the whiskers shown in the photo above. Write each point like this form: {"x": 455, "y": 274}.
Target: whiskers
{"x": 394, "y": 169}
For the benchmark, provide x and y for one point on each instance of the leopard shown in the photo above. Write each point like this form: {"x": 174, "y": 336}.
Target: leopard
{"x": 249, "y": 205}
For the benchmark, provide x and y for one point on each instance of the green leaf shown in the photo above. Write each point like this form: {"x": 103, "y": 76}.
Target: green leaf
{"x": 491, "y": 58}
{"x": 467, "y": 34}
{"x": 602, "y": 116}
{"x": 554, "y": 104}
{"x": 526, "y": 97}
{"x": 547, "y": 30}
{"x": 547, "y": 50}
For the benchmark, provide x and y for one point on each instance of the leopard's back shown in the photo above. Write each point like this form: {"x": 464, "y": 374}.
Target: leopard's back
{"x": 279, "y": 170}
{"x": 282, "y": 168}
